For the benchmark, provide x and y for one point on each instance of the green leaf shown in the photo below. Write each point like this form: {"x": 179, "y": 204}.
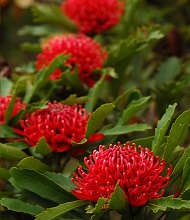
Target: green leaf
{"x": 18, "y": 145}
{"x": 162, "y": 128}
{"x": 94, "y": 94}
{"x": 176, "y": 135}
{"x": 4, "y": 173}
{"x": 52, "y": 14}
{"x": 42, "y": 147}
{"x": 181, "y": 163}
{"x": 99, "y": 209}
{"x": 73, "y": 99}
{"x": 20, "y": 206}
{"x": 168, "y": 204}
{"x": 119, "y": 203}
{"x": 117, "y": 130}
{"x": 125, "y": 49}
{"x": 11, "y": 153}
{"x": 33, "y": 163}
{"x": 43, "y": 75}
{"x": 31, "y": 47}
{"x": 168, "y": 70}
{"x": 120, "y": 100}
{"x": 41, "y": 185}
{"x": 10, "y": 107}
{"x": 132, "y": 109}
{"x": 61, "y": 180}
{"x": 5, "y": 86}
{"x": 55, "y": 212}
{"x": 97, "y": 118}
{"x": 7, "y": 132}
{"x": 185, "y": 182}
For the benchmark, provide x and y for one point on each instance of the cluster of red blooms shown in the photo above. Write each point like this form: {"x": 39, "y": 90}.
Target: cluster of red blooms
{"x": 85, "y": 53}
{"x": 95, "y": 16}
{"x": 59, "y": 124}
{"x": 4, "y": 102}
{"x": 138, "y": 174}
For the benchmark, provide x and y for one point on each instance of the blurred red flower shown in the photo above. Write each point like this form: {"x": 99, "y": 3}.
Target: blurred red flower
{"x": 59, "y": 124}
{"x": 4, "y": 102}
{"x": 138, "y": 174}
{"x": 93, "y": 16}
{"x": 86, "y": 55}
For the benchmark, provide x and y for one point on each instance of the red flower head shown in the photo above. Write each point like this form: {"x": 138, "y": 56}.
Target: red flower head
{"x": 4, "y": 102}
{"x": 59, "y": 124}
{"x": 85, "y": 53}
{"x": 138, "y": 174}
{"x": 93, "y": 16}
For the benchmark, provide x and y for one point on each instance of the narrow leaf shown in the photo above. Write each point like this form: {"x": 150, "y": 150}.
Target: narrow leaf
{"x": 55, "y": 212}
{"x": 169, "y": 204}
{"x": 99, "y": 210}
{"x": 7, "y": 132}
{"x": 162, "y": 128}
{"x": 185, "y": 182}
{"x": 97, "y": 118}
{"x": 132, "y": 109}
{"x": 73, "y": 99}
{"x": 40, "y": 184}
{"x": 176, "y": 137}
{"x": 94, "y": 94}
{"x": 117, "y": 130}
{"x": 11, "y": 153}
{"x": 20, "y": 206}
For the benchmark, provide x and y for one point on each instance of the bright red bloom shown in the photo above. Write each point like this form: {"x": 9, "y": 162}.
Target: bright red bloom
{"x": 59, "y": 124}
{"x": 138, "y": 174}
{"x": 4, "y": 102}
{"x": 85, "y": 53}
{"x": 93, "y": 16}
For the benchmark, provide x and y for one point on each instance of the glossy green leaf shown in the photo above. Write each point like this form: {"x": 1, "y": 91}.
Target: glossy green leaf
{"x": 176, "y": 135}
{"x": 97, "y": 118}
{"x": 40, "y": 184}
{"x": 169, "y": 204}
{"x": 144, "y": 142}
{"x": 11, "y": 153}
{"x": 55, "y": 212}
{"x": 18, "y": 144}
{"x": 33, "y": 163}
{"x": 42, "y": 147}
{"x": 185, "y": 182}
{"x": 5, "y": 86}
{"x": 119, "y": 203}
{"x": 162, "y": 127}
{"x": 20, "y": 206}
{"x": 4, "y": 173}
{"x": 132, "y": 109}
{"x": 178, "y": 169}
{"x": 73, "y": 99}
{"x": 61, "y": 180}
{"x": 52, "y": 14}
{"x": 7, "y": 132}
{"x": 117, "y": 130}
{"x": 94, "y": 94}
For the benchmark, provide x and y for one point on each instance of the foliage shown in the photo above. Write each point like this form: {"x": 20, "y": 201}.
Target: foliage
{"x": 141, "y": 95}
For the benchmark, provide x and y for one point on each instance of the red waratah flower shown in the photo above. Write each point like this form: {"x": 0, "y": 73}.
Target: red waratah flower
{"x": 4, "y": 102}
{"x": 138, "y": 174}
{"x": 93, "y": 16}
{"x": 59, "y": 124}
{"x": 85, "y": 53}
